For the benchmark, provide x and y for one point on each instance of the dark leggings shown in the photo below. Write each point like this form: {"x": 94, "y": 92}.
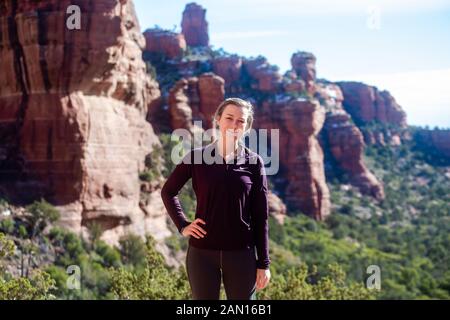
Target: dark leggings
{"x": 206, "y": 268}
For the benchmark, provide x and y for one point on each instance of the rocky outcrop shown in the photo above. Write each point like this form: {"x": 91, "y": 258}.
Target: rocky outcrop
{"x": 170, "y": 44}
{"x": 346, "y": 145}
{"x": 330, "y": 95}
{"x": 211, "y": 93}
{"x": 265, "y": 77}
{"x": 299, "y": 122}
{"x": 345, "y": 141}
{"x": 72, "y": 112}
{"x": 366, "y": 103}
{"x": 194, "y": 25}
{"x": 229, "y": 68}
{"x": 195, "y": 99}
{"x": 277, "y": 209}
{"x": 304, "y": 64}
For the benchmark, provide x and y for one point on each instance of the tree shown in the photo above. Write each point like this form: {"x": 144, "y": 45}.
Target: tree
{"x": 133, "y": 250}
{"x": 37, "y": 287}
{"x": 40, "y": 215}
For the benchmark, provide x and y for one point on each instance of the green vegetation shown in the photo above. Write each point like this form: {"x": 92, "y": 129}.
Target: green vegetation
{"x": 410, "y": 227}
{"x": 406, "y": 235}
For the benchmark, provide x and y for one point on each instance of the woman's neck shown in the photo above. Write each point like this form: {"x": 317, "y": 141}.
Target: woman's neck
{"x": 227, "y": 147}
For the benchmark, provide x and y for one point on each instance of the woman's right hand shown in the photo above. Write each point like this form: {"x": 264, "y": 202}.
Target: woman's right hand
{"x": 194, "y": 229}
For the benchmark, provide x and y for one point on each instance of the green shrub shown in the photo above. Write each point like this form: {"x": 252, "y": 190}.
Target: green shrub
{"x": 133, "y": 250}
{"x": 156, "y": 281}
{"x": 40, "y": 215}
{"x": 295, "y": 285}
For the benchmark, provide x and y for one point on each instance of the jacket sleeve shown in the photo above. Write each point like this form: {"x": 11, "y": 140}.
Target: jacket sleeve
{"x": 169, "y": 192}
{"x": 260, "y": 216}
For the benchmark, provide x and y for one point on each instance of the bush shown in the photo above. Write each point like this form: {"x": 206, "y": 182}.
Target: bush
{"x": 110, "y": 256}
{"x": 156, "y": 281}
{"x": 7, "y": 226}
{"x": 133, "y": 250}
{"x": 37, "y": 287}
{"x": 41, "y": 214}
{"x": 295, "y": 285}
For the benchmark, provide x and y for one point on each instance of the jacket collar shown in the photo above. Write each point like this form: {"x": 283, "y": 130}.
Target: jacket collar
{"x": 239, "y": 157}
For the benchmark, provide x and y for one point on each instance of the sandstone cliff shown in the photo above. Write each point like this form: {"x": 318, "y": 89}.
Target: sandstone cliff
{"x": 73, "y": 105}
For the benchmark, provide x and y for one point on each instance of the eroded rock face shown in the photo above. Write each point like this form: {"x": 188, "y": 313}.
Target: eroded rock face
{"x": 346, "y": 146}
{"x": 195, "y": 98}
{"x": 171, "y": 44}
{"x": 277, "y": 208}
{"x": 366, "y": 103}
{"x": 72, "y": 111}
{"x": 304, "y": 64}
{"x": 266, "y": 76}
{"x": 345, "y": 141}
{"x": 194, "y": 25}
{"x": 229, "y": 68}
{"x": 301, "y": 155}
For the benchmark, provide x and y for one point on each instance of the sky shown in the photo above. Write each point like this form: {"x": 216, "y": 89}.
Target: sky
{"x": 402, "y": 46}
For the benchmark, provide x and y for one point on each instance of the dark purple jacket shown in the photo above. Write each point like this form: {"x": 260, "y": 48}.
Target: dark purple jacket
{"x": 231, "y": 199}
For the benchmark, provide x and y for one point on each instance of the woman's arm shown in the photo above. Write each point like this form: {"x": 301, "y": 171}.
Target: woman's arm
{"x": 260, "y": 216}
{"x": 171, "y": 188}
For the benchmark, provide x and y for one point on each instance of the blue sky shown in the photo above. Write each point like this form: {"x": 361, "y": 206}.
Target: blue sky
{"x": 401, "y": 46}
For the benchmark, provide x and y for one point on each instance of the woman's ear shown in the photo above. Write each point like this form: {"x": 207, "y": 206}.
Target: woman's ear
{"x": 217, "y": 118}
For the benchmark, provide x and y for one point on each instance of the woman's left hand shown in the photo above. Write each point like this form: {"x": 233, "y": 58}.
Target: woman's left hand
{"x": 262, "y": 278}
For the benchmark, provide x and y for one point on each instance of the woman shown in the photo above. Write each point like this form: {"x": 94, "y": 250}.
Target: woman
{"x": 231, "y": 218}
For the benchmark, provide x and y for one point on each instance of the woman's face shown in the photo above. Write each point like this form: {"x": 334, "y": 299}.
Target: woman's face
{"x": 233, "y": 122}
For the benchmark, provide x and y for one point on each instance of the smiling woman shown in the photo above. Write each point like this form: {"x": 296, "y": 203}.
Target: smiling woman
{"x": 231, "y": 219}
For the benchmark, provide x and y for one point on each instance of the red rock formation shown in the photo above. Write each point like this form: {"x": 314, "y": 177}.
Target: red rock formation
{"x": 294, "y": 86}
{"x": 366, "y": 103}
{"x": 345, "y": 140}
{"x": 72, "y": 111}
{"x": 171, "y": 44}
{"x": 329, "y": 95}
{"x": 301, "y": 156}
{"x": 194, "y": 25}
{"x": 267, "y": 76}
{"x": 346, "y": 145}
{"x": 211, "y": 92}
{"x": 304, "y": 64}
{"x": 277, "y": 208}
{"x": 195, "y": 98}
{"x": 180, "y": 111}
{"x": 229, "y": 68}
{"x": 371, "y": 138}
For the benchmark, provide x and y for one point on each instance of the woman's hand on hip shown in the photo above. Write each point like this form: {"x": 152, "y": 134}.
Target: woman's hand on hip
{"x": 262, "y": 278}
{"x": 193, "y": 229}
